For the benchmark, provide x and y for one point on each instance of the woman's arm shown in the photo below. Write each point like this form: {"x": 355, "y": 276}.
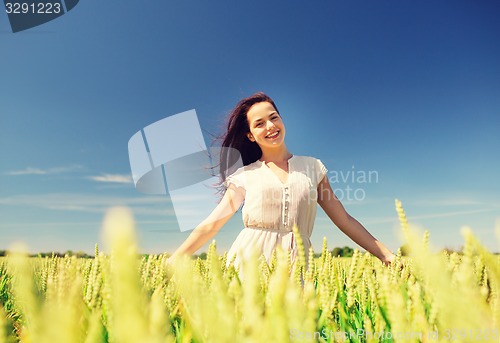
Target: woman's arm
{"x": 207, "y": 229}
{"x": 348, "y": 225}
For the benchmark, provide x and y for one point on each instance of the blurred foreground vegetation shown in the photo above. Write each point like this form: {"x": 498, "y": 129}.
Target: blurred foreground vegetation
{"x": 120, "y": 297}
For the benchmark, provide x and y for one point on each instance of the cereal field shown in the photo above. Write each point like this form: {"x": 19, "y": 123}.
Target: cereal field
{"x": 124, "y": 297}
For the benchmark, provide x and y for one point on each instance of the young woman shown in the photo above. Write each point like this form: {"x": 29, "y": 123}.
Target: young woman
{"x": 277, "y": 188}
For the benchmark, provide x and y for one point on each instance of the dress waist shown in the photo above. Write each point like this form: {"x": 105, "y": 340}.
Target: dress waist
{"x": 267, "y": 229}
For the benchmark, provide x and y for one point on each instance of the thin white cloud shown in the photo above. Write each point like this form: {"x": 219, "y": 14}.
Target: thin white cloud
{"x": 47, "y": 171}
{"x": 73, "y": 223}
{"x": 112, "y": 178}
{"x": 385, "y": 220}
{"x": 150, "y": 205}
{"x": 27, "y": 171}
{"x": 449, "y": 214}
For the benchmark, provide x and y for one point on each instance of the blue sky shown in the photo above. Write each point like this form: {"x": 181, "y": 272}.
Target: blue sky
{"x": 409, "y": 90}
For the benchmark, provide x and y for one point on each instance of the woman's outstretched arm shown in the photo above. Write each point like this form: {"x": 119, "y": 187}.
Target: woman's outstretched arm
{"x": 348, "y": 225}
{"x": 207, "y": 229}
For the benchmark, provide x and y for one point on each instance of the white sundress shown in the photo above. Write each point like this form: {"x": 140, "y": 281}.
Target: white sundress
{"x": 272, "y": 207}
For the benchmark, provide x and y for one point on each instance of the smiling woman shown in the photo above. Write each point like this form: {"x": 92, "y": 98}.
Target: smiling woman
{"x": 277, "y": 189}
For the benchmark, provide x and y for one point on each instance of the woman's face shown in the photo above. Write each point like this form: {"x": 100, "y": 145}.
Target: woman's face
{"x": 266, "y": 126}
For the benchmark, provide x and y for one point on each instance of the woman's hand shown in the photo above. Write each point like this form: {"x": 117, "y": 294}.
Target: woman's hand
{"x": 388, "y": 260}
{"x": 169, "y": 262}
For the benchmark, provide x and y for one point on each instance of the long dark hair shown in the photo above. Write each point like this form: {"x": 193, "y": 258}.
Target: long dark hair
{"x": 235, "y": 142}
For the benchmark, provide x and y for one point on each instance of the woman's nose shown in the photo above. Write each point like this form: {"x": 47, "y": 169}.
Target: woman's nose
{"x": 269, "y": 124}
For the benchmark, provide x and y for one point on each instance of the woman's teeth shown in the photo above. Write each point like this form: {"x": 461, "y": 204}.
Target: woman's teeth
{"x": 274, "y": 135}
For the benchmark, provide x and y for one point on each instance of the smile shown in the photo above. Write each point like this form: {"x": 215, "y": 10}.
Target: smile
{"x": 273, "y": 135}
